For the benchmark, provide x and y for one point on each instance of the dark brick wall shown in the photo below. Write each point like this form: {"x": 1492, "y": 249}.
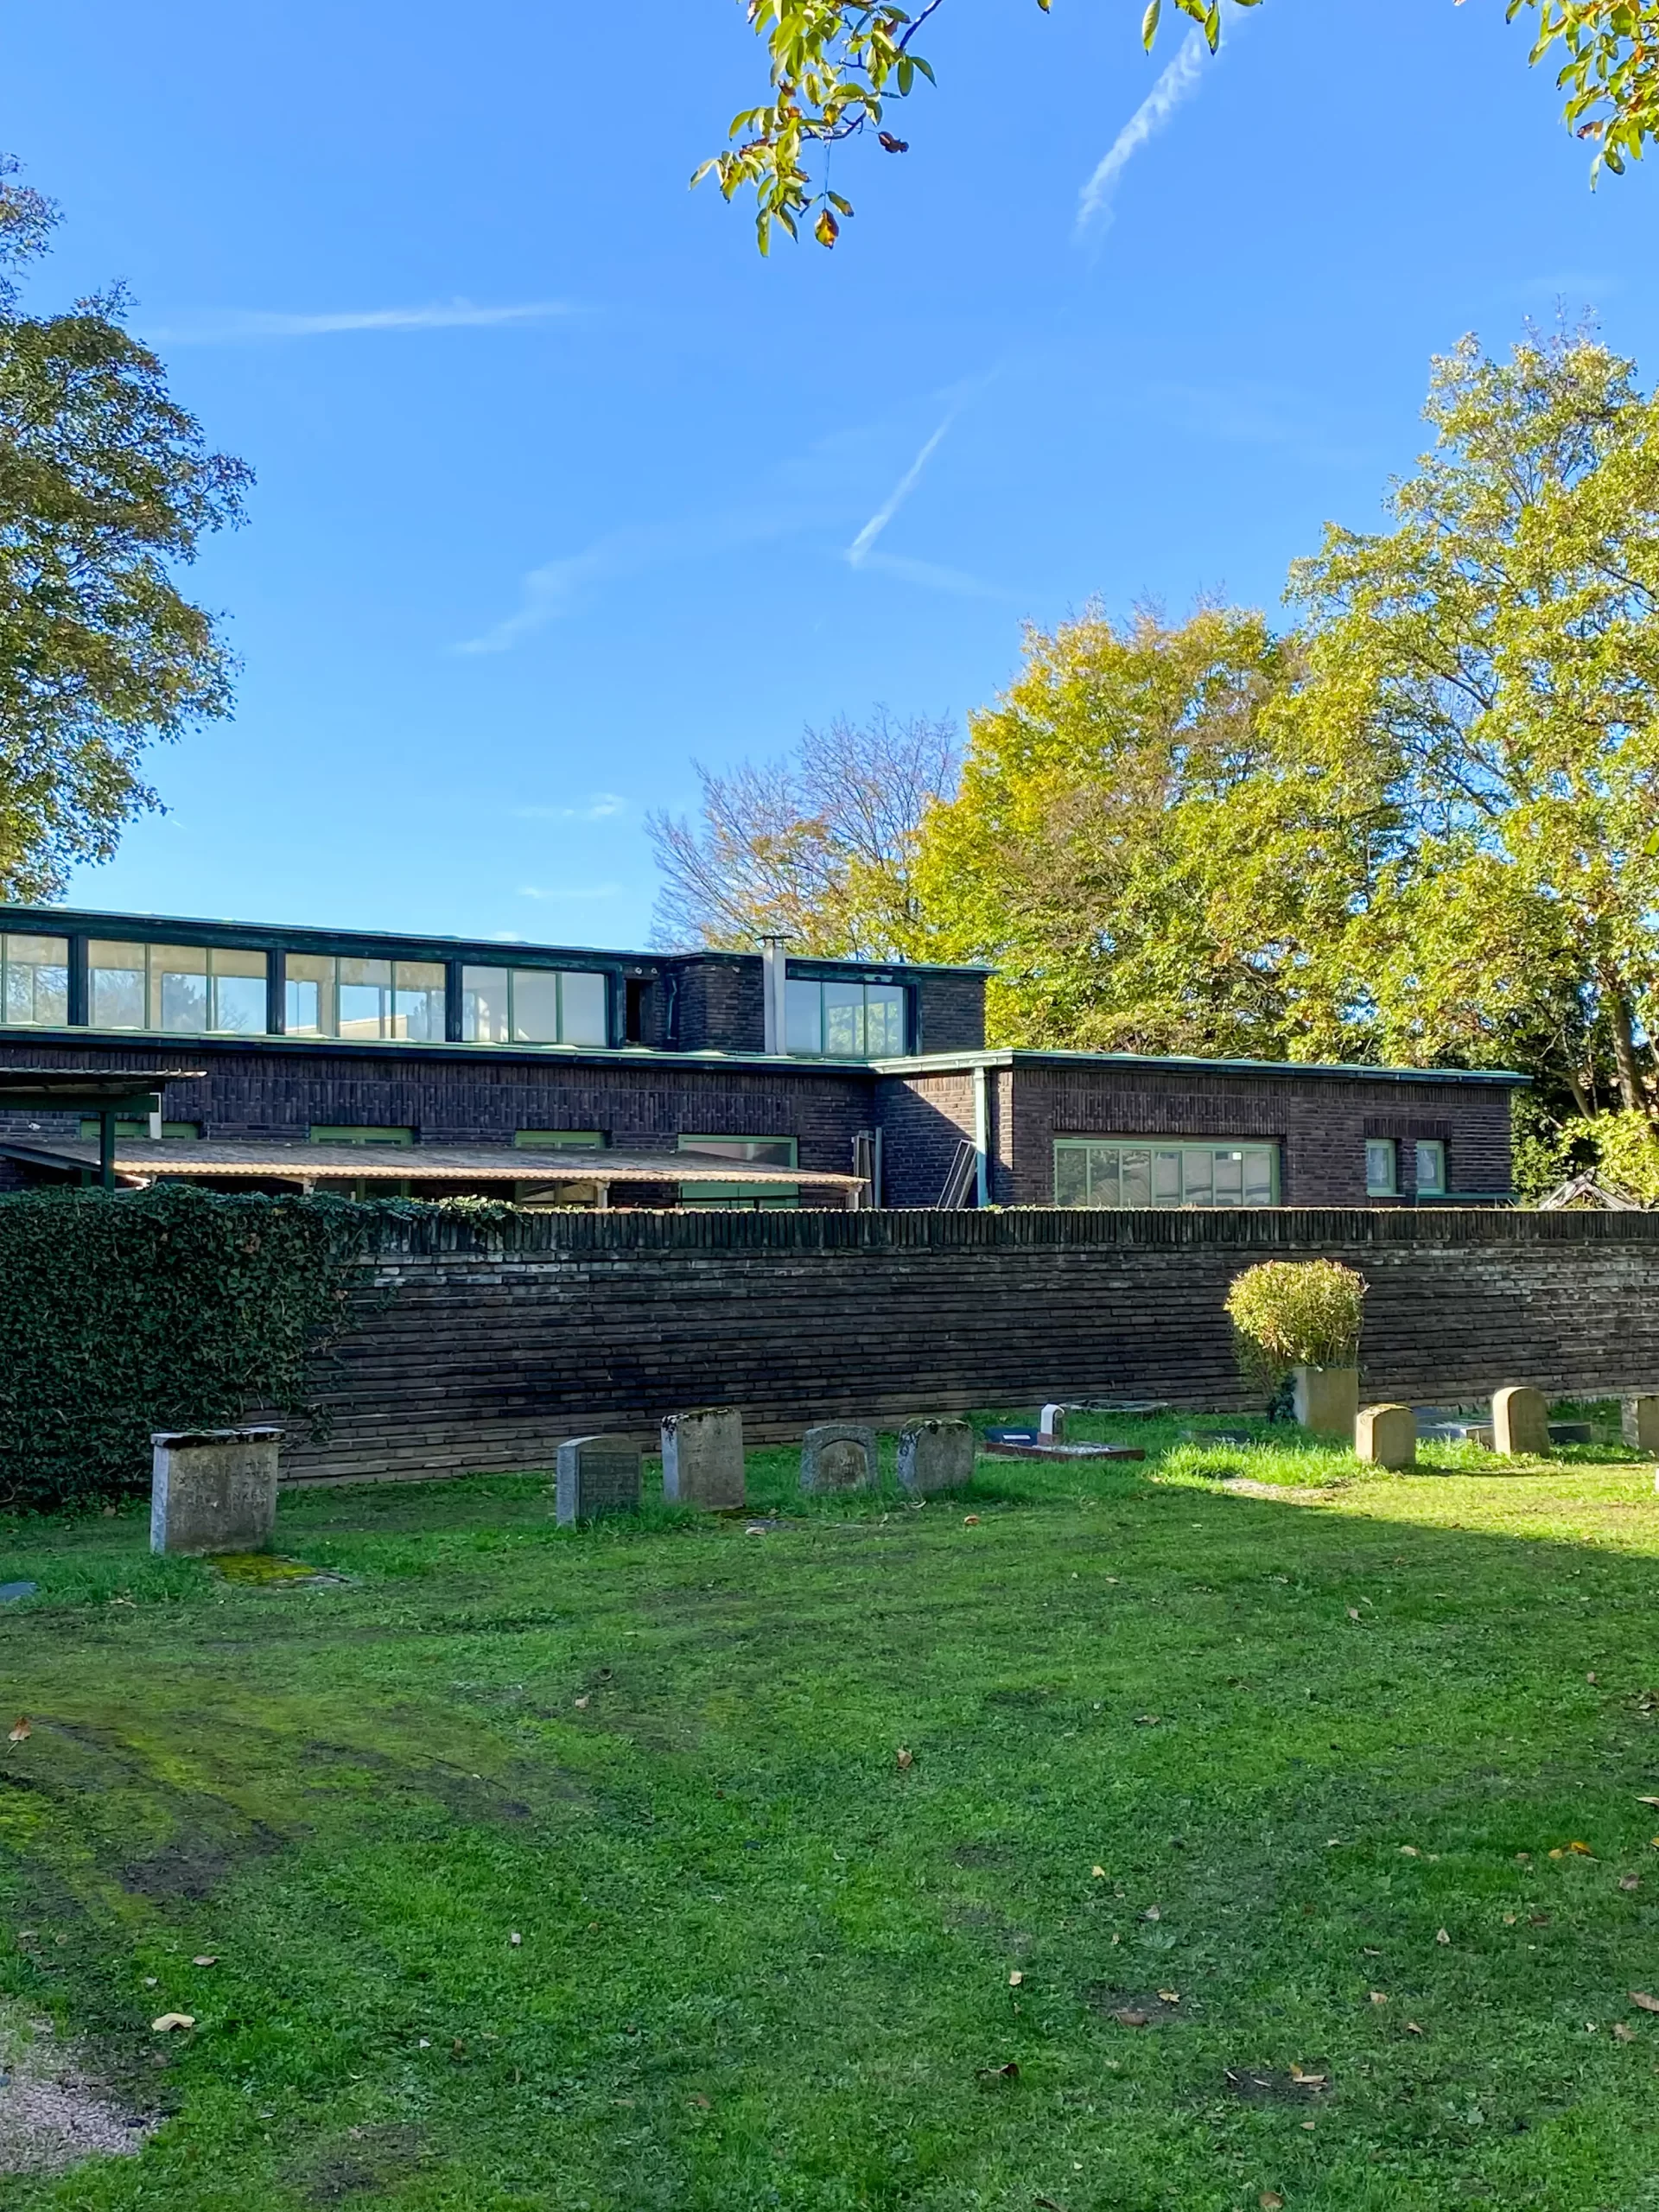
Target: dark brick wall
{"x": 488, "y": 1351}
{"x": 922, "y": 1120}
{"x": 1320, "y": 1124}
{"x": 949, "y": 1013}
{"x": 722, "y": 1003}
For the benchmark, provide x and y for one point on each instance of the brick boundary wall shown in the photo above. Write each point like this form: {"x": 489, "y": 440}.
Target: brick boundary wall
{"x": 476, "y": 1350}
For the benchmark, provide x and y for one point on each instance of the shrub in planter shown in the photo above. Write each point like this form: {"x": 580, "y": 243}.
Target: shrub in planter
{"x": 1301, "y": 1319}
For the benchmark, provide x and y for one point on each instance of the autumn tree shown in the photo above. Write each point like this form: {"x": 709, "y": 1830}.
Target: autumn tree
{"x": 819, "y": 848}
{"x": 1130, "y": 853}
{"x": 837, "y": 68}
{"x": 1490, "y": 666}
{"x": 105, "y": 487}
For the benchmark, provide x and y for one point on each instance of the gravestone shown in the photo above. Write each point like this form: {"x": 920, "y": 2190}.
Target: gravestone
{"x": 1326, "y": 1399}
{"x": 1386, "y": 1436}
{"x": 212, "y": 1490}
{"x": 702, "y": 1458}
{"x": 596, "y": 1475}
{"x": 935, "y": 1454}
{"x": 1639, "y": 1423}
{"x": 1520, "y": 1422}
{"x": 838, "y": 1455}
{"x": 1050, "y": 1424}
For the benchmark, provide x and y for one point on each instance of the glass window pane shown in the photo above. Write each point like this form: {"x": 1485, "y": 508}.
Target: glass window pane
{"x": 535, "y": 1006}
{"x": 582, "y": 1011}
{"x": 1167, "y": 1179}
{"x": 1379, "y": 1166}
{"x": 1104, "y": 1179}
{"x": 308, "y": 996}
{"x": 769, "y": 1152}
{"x": 803, "y": 1016}
{"x": 365, "y": 998}
{"x": 1431, "y": 1168}
{"x": 1258, "y": 1177}
{"x": 238, "y": 991}
{"x": 884, "y": 1021}
{"x": 843, "y": 1021}
{"x": 1071, "y": 1175}
{"x": 117, "y": 986}
{"x": 559, "y": 1140}
{"x": 1198, "y": 1176}
{"x": 1137, "y": 1179}
{"x": 484, "y": 1006}
{"x": 1230, "y": 1179}
{"x": 178, "y": 987}
{"x": 417, "y": 1011}
{"x": 37, "y": 980}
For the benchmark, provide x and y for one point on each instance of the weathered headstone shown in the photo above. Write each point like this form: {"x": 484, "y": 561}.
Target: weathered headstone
{"x": 1327, "y": 1399}
{"x": 212, "y": 1490}
{"x": 1386, "y": 1436}
{"x": 1050, "y": 1424}
{"x": 838, "y": 1455}
{"x": 702, "y": 1458}
{"x": 1639, "y": 1421}
{"x": 937, "y": 1455}
{"x": 1520, "y": 1422}
{"x": 596, "y": 1475}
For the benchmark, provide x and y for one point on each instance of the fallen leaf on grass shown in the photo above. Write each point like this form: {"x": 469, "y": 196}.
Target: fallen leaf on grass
{"x": 1412, "y": 2028}
{"x": 1270, "y": 2200}
{"x": 207, "y": 1959}
{"x": 1353, "y": 1612}
{"x": 1127, "y": 2017}
{"x": 1647, "y": 2004}
{"x": 1047, "y": 2204}
{"x": 1169, "y": 1996}
{"x": 1146, "y": 1720}
{"x": 1509, "y": 1919}
{"x": 1630, "y": 1881}
{"x": 1151, "y": 1913}
{"x": 1409, "y": 1850}
{"x": 1622, "y": 2031}
{"x": 1648, "y": 1801}
{"x": 1098, "y": 1874}
{"x": 1008, "y": 2073}
{"x": 515, "y": 1939}
{"x": 1573, "y": 1850}
{"x": 168, "y": 2021}
{"x": 970, "y": 1519}
{"x": 1441, "y": 1936}
{"x": 581, "y": 1704}
{"x": 902, "y": 1759}
{"x": 701, "y": 2102}
{"x": 1379, "y": 1996}
{"x": 22, "y": 1731}
{"x": 1015, "y": 1979}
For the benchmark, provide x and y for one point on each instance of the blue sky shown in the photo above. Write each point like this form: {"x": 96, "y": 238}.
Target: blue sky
{"x": 559, "y": 485}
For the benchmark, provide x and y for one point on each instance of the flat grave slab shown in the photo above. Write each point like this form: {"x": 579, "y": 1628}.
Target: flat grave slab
{"x": 1026, "y": 1444}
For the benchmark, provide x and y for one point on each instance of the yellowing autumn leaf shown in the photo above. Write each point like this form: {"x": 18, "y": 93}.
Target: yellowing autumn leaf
{"x": 1647, "y": 2004}
{"x": 902, "y": 1759}
{"x": 1015, "y": 1979}
{"x": 22, "y": 1731}
{"x": 169, "y": 2021}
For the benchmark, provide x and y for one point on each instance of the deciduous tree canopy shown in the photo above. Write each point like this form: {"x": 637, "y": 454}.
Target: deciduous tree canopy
{"x": 105, "y": 485}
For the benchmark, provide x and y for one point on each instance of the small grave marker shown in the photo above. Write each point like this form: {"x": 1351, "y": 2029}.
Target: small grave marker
{"x": 596, "y": 1475}
{"x": 934, "y": 1455}
{"x": 838, "y": 1455}
{"x": 1386, "y": 1436}
{"x": 213, "y": 1490}
{"x": 1520, "y": 1422}
{"x": 702, "y": 1458}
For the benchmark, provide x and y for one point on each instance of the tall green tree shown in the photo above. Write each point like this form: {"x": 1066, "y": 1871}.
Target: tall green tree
{"x": 1490, "y": 666}
{"x": 838, "y": 67}
{"x": 1130, "y": 852}
{"x": 105, "y": 487}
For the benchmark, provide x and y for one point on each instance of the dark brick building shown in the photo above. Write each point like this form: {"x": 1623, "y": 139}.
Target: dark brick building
{"x": 338, "y": 1060}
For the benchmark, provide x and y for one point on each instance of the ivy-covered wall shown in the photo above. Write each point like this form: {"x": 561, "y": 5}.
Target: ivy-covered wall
{"x": 168, "y": 1308}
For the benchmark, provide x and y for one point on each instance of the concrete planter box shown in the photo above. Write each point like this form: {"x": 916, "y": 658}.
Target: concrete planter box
{"x": 213, "y": 1490}
{"x": 1327, "y": 1399}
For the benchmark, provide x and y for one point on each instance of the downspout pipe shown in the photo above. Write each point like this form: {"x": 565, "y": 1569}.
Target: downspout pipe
{"x": 982, "y": 1136}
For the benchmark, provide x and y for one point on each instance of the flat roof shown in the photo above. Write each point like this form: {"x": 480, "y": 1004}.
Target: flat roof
{"x": 1354, "y": 1071}
{"x": 416, "y": 1163}
{"x": 192, "y": 928}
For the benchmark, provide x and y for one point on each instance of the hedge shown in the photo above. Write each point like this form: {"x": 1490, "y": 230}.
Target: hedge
{"x": 125, "y": 1311}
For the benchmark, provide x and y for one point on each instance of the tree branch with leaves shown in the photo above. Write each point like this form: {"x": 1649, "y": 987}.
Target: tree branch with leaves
{"x": 837, "y": 66}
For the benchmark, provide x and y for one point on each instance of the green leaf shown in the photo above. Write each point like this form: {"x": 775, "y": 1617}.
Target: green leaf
{"x": 1149, "y": 23}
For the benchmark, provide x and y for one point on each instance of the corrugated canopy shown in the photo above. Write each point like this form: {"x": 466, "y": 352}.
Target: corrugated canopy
{"x": 145, "y": 1158}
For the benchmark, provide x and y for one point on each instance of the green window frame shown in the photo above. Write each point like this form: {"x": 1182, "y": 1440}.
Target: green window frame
{"x": 1431, "y": 1167}
{"x": 559, "y": 1140}
{"x": 1381, "y": 1167}
{"x": 1165, "y": 1172}
{"x": 34, "y": 980}
{"x": 172, "y": 1132}
{"x": 741, "y": 1197}
{"x": 827, "y": 1017}
{"x": 535, "y": 1006}
{"x": 357, "y": 1133}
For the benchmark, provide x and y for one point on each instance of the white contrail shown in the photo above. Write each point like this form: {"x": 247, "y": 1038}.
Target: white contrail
{"x": 249, "y": 325}
{"x": 901, "y": 491}
{"x": 1183, "y": 76}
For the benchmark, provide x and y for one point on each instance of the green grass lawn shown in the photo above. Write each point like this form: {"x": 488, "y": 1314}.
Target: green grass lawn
{"x": 582, "y": 1870}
